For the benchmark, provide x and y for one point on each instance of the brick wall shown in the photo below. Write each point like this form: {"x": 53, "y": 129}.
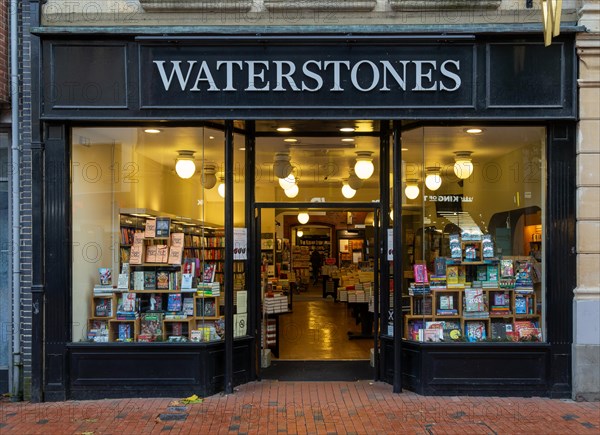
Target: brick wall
{"x": 4, "y": 43}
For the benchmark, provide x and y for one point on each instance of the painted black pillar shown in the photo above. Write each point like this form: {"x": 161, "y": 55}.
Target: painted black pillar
{"x": 228, "y": 267}
{"x": 397, "y": 263}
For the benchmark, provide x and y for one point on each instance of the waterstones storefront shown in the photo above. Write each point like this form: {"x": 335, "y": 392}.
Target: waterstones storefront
{"x": 113, "y": 115}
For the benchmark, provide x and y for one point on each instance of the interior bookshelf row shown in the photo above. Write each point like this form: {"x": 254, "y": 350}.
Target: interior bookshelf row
{"x": 169, "y": 280}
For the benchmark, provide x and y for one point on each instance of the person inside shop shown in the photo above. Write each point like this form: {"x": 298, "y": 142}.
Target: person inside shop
{"x": 316, "y": 262}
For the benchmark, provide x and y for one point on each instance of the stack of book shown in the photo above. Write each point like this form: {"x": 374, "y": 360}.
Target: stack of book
{"x": 276, "y": 304}
{"x": 209, "y": 289}
{"x": 500, "y": 304}
{"x": 419, "y": 288}
{"x": 437, "y": 282}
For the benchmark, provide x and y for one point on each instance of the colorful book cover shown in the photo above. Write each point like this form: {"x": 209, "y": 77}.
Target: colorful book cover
{"x": 446, "y": 302}
{"x": 105, "y": 275}
{"x": 162, "y": 280}
{"x": 506, "y": 269}
{"x": 163, "y": 227}
{"x": 492, "y": 273}
{"x": 462, "y": 274}
{"x": 162, "y": 253}
{"x": 474, "y": 299}
{"x": 452, "y": 330}
{"x": 482, "y": 273}
{"x": 439, "y": 264}
{"x": 124, "y": 331}
{"x": 149, "y": 280}
{"x": 475, "y": 331}
{"x": 151, "y": 325}
{"x": 451, "y": 274}
{"x": 128, "y": 302}
{"x": 520, "y": 305}
{"x": 150, "y": 229}
{"x": 188, "y": 306}
{"x": 174, "y": 302}
{"x": 420, "y": 273}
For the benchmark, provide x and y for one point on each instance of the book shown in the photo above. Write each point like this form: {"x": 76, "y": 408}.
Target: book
{"x": 439, "y": 266}
{"x": 105, "y": 275}
{"x": 162, "y": 253}
{"x": 434, "y": 331}
{"x": 103, "y": 308}
{"x": 446, "y": 302}
{"x": 506, "y": 269}
{"x": 520, "y": 305}
{"x": 177, "y": 239}
{"x": 174, "y": 302}
{"x": 123, "y": 281}
{"x": 175, "y": 255}
{"x": 162, "y": 280}
{"x": 138, "y": 280}
{"x": 150, "y": 229}
{"x": 163, "y": 227}
{"x": 128, "y": 303}
{"x": 455, "y": 248}
{"x": 474, "y": 299}
{"x": 492, "y": 273}
{"x": 188, "y": 306}
{"x": 186, "y": 281}
{"x": 151, "y": 253}
{"x": 149, "y": 280}
{"x": 482, "y": 273}
{"x": 487, "y": 246}
{"x": 208, "y": 307}
{"x": 452, "y": 275}
{"x": 125, "y": 332}
{"x": 155, "y": 302}
{"x": 420, "y": 273}
{"x": 151, "y": 325}
{"x": 501, "y": 330}
{"x": 475, "y": 331}
{"x": 208, "y": 274}
{"x": 452, "y": 330}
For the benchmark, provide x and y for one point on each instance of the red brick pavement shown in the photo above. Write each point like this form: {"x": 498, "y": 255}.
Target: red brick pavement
{"x": 271, "y": 407}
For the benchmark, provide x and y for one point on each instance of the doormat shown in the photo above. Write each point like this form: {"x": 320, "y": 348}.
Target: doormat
{"x": 284, "y": 370}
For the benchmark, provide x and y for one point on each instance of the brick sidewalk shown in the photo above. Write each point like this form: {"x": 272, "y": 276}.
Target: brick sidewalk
{"x": 270, "y": 407}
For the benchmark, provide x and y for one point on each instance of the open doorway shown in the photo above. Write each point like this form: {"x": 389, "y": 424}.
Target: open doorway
{"x": 319, "y": 280}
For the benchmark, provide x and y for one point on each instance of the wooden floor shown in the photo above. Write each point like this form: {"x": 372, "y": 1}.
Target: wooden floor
{"x": 317, "y": 329}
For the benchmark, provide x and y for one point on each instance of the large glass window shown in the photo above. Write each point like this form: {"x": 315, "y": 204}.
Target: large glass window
{"x": 148, "y": 233}
{"x": 473, "y": 207}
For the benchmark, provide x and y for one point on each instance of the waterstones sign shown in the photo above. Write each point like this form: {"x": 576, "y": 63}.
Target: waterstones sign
{"x": 251, "y": 76}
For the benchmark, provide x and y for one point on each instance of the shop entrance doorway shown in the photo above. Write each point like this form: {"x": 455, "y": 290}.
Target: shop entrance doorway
{"x": 318, "y": 283}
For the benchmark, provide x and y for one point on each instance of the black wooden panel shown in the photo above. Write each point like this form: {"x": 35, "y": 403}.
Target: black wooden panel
{"x": 514, "y": 75}
{"x": 412, "y": 373}
{"x": 151, "y": 367}
{"x": 86, "y": 75}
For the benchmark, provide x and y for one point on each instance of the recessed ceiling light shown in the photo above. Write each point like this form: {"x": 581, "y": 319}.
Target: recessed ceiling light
{"x": 404, "y": 149}
{"x": 284, "y": 129}
{"x": 242, "y": 149}
{"x": 290, "y": 139}
{"x": 474, "y": 130}
{"x": 347, "y": 129}
{"x": 152, "y": 130}
{"x": 348, "y": 139}
{"x": 211, "y": 137}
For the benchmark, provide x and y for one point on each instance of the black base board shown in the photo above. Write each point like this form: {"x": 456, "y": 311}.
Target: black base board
{"x": 330, "y": 370}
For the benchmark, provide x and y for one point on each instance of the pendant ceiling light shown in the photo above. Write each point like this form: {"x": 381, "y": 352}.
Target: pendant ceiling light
{"x": 433, "y": 180}
{"x": 412, "y": 189}
{"x": 347, "y": 191}
{"x": 303, "y": 217}
{"x": 364, "y": 165}
{"x": 282, "y": 166}
{"x": 184, "y": 164}
{"x": 292, "y": 192}
{"x": 221, "y": 188}
{"x": 209, "y": 179}
{"x": 463, "y": 167}
{"x": 287, "y": 182}
{"x": 353, "y": 180}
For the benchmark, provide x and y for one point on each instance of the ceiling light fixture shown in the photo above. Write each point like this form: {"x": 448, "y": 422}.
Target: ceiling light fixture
{"x": 433, "y": 180}
{"x": 303, "y": 217}
{"x": 353, "y": 180}
{"x": 299, "y": 233}
{"x": 287, "y": 182}
{"x": 364, "y": 165}
{"x": 184, "y": 164}
{"x": 463, "y": 167}
{"x": 473, "y": 130}
{"x": 347, "y": 191}
{"x": 347, "y": 139}
{"x": 221, "y": 188}
{"x": 290, "y": 140}
{"x": 152, "y": 130}
{"x": 209, "y": 179}
{"x": 347, "y": 129}
{"x": 284, "y": 129}
{"x": 292, "y": 192}
{"x": 282, "y": 167}
{"x": 412, "y": 189}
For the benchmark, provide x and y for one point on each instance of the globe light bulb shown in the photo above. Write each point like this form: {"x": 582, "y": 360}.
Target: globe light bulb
{"x": 463, "y": 167}
{"x": 364, "y": 165}
{"x": 412, "y": 189}
{"x": 303, "y": 217}
{"x": 433, "y": 180}
{"x": 292, "y": 192}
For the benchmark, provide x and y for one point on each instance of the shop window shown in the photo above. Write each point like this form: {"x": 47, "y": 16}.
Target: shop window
{"x": 473, "y": 221}
{"x": 149, "y": 236}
